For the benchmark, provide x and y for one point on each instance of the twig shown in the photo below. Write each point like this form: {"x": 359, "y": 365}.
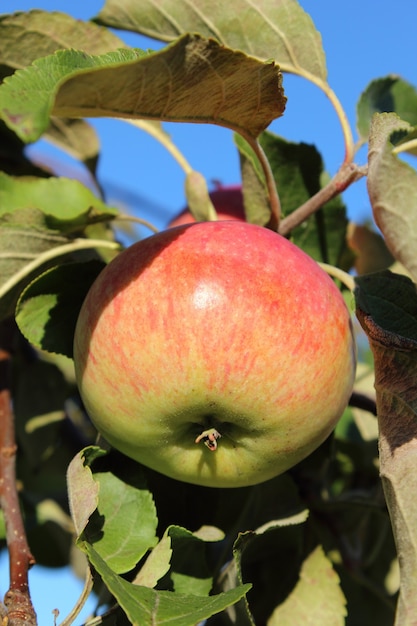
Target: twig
{"x": 347, "y": 174}
{"x": 20, "y": 611}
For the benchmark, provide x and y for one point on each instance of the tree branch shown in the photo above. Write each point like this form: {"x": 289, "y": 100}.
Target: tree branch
{"x": 20, "y": 611}
{"x": 348, "y": 174}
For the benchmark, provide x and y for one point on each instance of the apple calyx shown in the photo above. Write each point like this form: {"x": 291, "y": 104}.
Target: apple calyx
{"x": 209, "y": 437}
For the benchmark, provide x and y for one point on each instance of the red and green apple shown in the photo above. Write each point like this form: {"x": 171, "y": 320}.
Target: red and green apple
{"x": 219, "y": 333}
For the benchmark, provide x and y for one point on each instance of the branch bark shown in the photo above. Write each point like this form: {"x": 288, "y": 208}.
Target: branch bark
{"x": 17, "y": 601}
{"x": 348, "y": 174}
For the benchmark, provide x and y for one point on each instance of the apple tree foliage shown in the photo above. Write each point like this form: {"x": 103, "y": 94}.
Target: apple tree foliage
{"x": 333, "y": 540}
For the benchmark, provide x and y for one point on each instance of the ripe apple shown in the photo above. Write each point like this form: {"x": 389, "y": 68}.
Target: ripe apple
{"x": 223, "y": 333}
{"x": 227, "y": 200}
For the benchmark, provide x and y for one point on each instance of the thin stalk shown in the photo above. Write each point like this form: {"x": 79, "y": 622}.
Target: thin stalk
{"x": 136, "y": 220}
{"x": 345, "y": 278}
{"x": 87, "y": 589}
{"x": 340, "y": 112}
{"x": 274, "y": 200}
{"x": 155, "y": 130}
{"x": 405, "y": 147}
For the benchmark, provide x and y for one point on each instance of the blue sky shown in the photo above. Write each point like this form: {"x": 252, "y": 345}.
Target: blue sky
{"x": 362, "y": 39}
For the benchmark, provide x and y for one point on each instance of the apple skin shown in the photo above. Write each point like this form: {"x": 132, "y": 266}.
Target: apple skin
{"x": 227, "y": 200}
{"x": 216, "y": 325}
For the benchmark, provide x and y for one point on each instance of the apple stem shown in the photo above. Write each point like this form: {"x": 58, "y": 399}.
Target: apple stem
{"x": 209, "y": 437}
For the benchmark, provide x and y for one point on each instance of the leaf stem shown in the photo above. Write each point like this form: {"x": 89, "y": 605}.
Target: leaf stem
{"x": 405, "y": 147}
{"x": 347, "y": 174}
{"x": 137, "y": 220}
{"x": 274, "y": 200}
{"x": 49, "y": 255}
{"x": 17, "y": 600}
{"x": 345, "y": 278}
{"x": 87, "y": 589}
{"x": 155, "y": 130}
{"x": 341, "y": 114}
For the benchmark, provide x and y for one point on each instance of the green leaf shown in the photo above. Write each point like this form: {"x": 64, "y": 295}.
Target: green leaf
{"x": 280, "y": 30}
{"x": 156, "y": 565}
{"x": 48, "y": 308}
{"x": 385, "y": 95}
{"x": 147, "y": 607}
{"x": 317, "y": 599}
{"x": 192, "y": 80}
{"x": 297, "y": 168}
{"x": 258, "y": 555}
{"x": 67, "y": 205}
{"x": 189, "y": 573}
{"x": 124, "y": 526}
{"x": 394, "y": 206}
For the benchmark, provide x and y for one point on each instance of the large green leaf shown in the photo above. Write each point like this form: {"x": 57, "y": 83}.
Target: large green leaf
{"x": 392, "y": 187}
{"x": 124, "y": 527}
{"x": 147, "y": 607}
{"x": 193, "y": 80}
{"x": 278, "y": 29}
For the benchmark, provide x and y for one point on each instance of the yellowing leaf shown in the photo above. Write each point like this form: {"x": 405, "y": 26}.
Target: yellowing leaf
{"x": 192, "y": 80}
{"x": 317, "y": 599}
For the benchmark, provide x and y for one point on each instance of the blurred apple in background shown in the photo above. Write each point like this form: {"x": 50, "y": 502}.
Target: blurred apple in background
{"x": 216, "y": 333}
{"x": 227, "y": 200}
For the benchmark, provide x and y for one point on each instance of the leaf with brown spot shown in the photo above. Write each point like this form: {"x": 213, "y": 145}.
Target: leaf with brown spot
{"x": 387, "y": 310}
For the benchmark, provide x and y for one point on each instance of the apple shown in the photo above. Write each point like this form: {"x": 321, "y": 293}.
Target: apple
{"x": 227, "y": 200}
{"x": 219, "y": 333}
